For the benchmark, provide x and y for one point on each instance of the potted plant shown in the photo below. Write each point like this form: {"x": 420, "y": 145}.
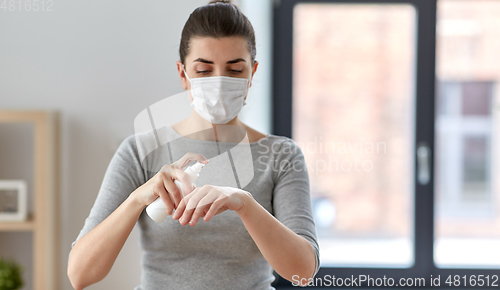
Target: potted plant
{"x": 10, "y": 275}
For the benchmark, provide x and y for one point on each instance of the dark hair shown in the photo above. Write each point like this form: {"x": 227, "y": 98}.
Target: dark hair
{"x": 217, "y": 19}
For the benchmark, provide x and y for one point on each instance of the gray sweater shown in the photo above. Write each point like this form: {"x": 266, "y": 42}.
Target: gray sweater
{"x": 220, "y": 253}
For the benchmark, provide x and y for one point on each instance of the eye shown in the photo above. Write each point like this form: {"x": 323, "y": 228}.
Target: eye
{"x": 202, "y": 72}
{"x": 235, "y": 71}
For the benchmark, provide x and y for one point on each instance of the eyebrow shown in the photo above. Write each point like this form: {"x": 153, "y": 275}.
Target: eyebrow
{"x": 211, "y": 62}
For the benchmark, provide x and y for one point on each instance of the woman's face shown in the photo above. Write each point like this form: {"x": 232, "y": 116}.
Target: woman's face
{"x": 208, "y": 56}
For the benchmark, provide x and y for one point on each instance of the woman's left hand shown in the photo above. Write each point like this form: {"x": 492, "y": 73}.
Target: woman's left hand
{"x": 208, "y": 201}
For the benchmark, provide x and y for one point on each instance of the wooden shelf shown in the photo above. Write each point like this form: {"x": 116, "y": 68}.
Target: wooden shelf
{"x": 45, "y": 196}
{"x": 24, "y": 226}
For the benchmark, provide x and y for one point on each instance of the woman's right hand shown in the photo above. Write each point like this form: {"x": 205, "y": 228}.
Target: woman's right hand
{"x": 162, "y": 184}
{"x": 93, "y": 255}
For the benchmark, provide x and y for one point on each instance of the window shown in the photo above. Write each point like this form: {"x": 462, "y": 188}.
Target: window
{"x": 355, "y": 84}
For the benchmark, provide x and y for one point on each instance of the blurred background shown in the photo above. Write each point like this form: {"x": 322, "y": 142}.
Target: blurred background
{"x": 357, "y": 116}
{"x": 98, "y": 64}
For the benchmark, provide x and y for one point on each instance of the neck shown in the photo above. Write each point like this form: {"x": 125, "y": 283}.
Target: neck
{"x": 195, "y": 127}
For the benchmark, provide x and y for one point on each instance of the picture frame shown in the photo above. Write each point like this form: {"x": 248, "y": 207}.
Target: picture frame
{"x": 13, "y": 201}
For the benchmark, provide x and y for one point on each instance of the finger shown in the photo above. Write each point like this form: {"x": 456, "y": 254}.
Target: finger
{"x": 166, "y": 168}
{"x": 198, "y": 213}
{"x": 162, "y": 193}
{"x": 190, "y": 195}
{"x": 191, "y": 204}
{"x": 184, "y": 179}
{"x": 172, "y": 189}
{"x": 203, "y": 206}
{"x": 182, "y": 205}
{"x": 188, "y": 157}
{"x": 179, "y": 210}
{"x": 214, "y": 209}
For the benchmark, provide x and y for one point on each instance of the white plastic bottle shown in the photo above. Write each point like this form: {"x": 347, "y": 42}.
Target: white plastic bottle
{"x": 157, "y": 209}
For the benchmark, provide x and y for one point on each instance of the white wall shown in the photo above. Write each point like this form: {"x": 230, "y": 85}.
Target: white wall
{"x": 257, "y": 112}
{"x": 99, "y": 63}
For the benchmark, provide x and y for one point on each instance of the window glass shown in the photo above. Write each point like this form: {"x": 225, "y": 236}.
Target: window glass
{"x": 353, "y": 117}
{"x": 467, "y": 220}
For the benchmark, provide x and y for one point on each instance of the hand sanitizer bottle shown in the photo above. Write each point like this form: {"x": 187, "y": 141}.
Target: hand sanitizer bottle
{"x": 157, "y": 209}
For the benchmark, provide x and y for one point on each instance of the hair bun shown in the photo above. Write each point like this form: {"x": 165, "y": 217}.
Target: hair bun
{"x": 220, "y": 1}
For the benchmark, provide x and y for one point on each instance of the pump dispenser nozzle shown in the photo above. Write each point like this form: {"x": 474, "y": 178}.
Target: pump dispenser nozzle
{"x": 194, "y": 170}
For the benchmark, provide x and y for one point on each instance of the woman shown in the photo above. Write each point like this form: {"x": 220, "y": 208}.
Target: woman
{"x": 247, "y": 229}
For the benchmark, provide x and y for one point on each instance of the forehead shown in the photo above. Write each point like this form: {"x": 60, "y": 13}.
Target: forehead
{"x": 218, "y": 49}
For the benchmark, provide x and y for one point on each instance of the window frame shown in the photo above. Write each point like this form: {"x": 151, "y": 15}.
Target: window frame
{"x": 452, "y": 204}
{"x": 423, "y": 228}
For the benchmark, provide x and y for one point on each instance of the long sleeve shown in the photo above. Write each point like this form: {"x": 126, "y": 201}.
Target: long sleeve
{"x": 123, "y": 175}
{"x": 291, "y": 194}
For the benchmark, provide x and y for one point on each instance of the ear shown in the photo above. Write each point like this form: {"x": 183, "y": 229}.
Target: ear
{"x": 180, "y": 70}
{"x": 254, "y": 69}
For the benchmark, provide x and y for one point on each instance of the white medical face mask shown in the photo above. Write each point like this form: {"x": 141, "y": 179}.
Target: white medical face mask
{"x": 218, "y": 99}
